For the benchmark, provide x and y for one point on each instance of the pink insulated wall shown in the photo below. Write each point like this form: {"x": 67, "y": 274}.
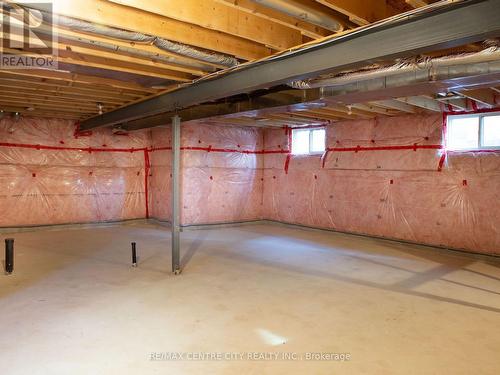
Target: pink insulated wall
{"x": 381, "y": 178}
{"x": 221, "y": 174}
{"x": 50, "y": 175}
{"x": 385, "y": 177}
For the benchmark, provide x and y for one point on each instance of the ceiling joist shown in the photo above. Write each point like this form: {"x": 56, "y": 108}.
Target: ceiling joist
{"x": 114, "y": 15}
{"x": 213, "y": 15}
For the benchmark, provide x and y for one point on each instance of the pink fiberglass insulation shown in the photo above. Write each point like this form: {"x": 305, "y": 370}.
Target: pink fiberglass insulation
{"x": 49, "y": 176}
{"x": 389, "y": 192}
{"x": 160, "y": 182}
{"x": 380, "y": 177}
{"x": 221, "y": 174}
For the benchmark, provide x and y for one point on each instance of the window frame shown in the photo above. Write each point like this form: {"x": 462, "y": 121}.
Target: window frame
{"x": 310, "y": 130}
{"x": 480, "y": 139}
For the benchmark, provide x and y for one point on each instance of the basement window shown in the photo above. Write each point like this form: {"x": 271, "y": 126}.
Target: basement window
{"x": 308, "y": 141}
{"x": 473, "y": 132}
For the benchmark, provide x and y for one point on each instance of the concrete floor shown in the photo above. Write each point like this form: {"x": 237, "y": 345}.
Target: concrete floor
{"x": 75, "y": 306}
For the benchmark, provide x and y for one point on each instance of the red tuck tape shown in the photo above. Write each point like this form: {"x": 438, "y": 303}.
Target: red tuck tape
{"x": 385, "y": 148}
{"x": 287, "y": 162}
{"x": 323, "y": 158}
{"x": 442, "y": 159}
{"x": 147, "y": 163}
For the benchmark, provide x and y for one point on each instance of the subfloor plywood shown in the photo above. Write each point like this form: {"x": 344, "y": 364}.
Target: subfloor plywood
{"x": 75, "y": 306}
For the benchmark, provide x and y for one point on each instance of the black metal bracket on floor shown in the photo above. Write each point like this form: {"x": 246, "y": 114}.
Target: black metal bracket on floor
{"x": 134, "y": 255}
{"x": 9, "y": 256}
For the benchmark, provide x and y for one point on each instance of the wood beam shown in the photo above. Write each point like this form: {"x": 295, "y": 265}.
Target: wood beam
{"x": 394, "y": 104}
{"x": 422, "y": 102}
{"x": 251, "y": 7}
{"x": 483, "y": 96}
{"x": 54, "y": 89}
{"x": 68, "y": 78}
{"x": 460, "y": 104}
{"x": 106, "y": 13}
{"x": 292, "y": 118}
{"x": 82, "y": 88}
{"x": 65, "y": 98}
{"x": 118, "y": 59}
{"x": 176, "y": 59}
{"x": 45, "y": 106}
{"x": 121, "y": 55}
{"x": 417, "y": 3}
{"x": 77, "y": 56}
{"x": 347, "y": 110}
{"x": 289, "y": 120}
{"x": 373, "y": 109}
{"x": 30, "y": 99}
{"x": 42, "y": 113}
{"x": 318, "y": 113}
{"x": 215, "y": 16}
{"x": 360, "y": 12}
{"x": 299, "y": 117}
{"x": 110, "y": 50}
{"x": 241, "y": 121}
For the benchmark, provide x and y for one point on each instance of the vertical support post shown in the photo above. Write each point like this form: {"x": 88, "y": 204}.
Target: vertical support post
{"x": 176, "y": 161}
{"x": 9, "y": 255}
{"x": 134, "y": 255}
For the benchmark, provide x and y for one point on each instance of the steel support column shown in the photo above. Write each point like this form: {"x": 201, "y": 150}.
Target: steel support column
{"x": 176, "y": 161}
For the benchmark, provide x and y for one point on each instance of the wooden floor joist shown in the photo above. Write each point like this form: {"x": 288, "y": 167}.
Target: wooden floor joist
{"x": 216, "y": 16}
{"x": 97, "y": 68}
{"x": 114, "y": 15}
{"x": 63, "y": 78}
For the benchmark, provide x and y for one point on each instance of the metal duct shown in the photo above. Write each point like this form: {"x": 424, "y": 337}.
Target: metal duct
{"x": 87, "y": 27}
{"x": 164, "y": 44}
{"x": 136, "y": 52}
{"x": 450, "y": 76}
{"x": 427, "y": 66}
{"x": 303, "y": 12}
{"x": 185, "y": 50}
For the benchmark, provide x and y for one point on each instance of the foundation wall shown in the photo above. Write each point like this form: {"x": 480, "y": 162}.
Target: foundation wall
{"x": 389, "y": 192}
{"x": 50, "y": 176}
{"x": 221, "y": 174}
{"x": 379, "y": 178}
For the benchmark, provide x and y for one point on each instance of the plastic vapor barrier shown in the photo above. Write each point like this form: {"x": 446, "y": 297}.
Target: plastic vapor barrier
{"x": 51, "y": 175}
{"x": 389, "y": 177}
{"x": 221, "y": 174}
